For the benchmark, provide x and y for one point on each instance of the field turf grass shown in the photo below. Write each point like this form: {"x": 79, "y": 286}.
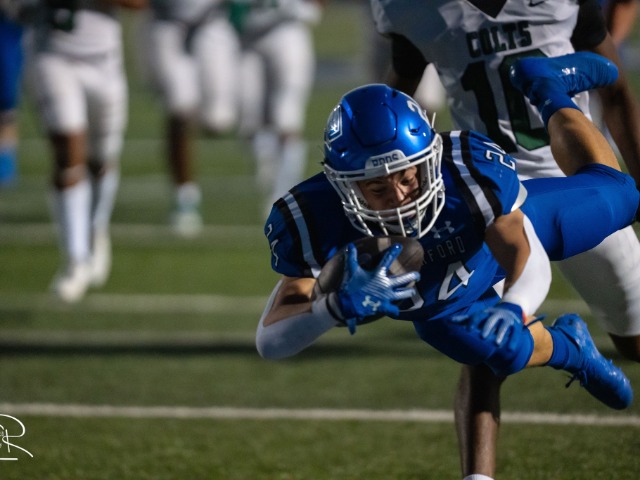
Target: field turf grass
{"x": 156, "y": 376}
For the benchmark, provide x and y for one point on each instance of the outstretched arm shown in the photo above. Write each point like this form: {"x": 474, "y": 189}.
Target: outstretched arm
{"x": 295, "y": 317}
{"x": 407, "y": 65}
{"x": 291, "y": 321}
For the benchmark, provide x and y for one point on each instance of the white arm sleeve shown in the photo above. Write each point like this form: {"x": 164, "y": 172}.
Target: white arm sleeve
{"x": 290, "y": 336}
{"x": 532, "y": 286}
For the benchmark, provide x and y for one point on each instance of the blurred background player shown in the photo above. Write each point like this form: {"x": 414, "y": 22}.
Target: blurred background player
{"x": 10, "y": 70}
{"x": 74, "y": 68}
{"x": 194, "y": 63}
{"x": 278, "y": 69}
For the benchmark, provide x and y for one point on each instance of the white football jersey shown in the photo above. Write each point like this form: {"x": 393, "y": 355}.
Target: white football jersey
{"x": 472, "y": 44}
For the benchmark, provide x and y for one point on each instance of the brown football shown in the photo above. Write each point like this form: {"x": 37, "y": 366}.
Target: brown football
{"x": 370, "y": 253}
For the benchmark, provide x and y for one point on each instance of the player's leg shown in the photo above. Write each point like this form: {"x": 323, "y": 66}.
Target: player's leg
{"x": 549, "y": 83}
{"x": 58, "y": 93}
{"x": 477, "y": 418}
{"x": 106, "y": 88}
{"x": 507, "y": 346}
{"x": 216, "y": 49}
{"x": 252, "y": 128}
{"x": 175, "y": 74}
{"x": 615, "y": 300}
{"x": 574, "y": 214}
{"x": 290, "y": 69}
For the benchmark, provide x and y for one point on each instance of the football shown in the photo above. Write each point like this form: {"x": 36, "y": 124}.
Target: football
{"x": 370, "y": 253}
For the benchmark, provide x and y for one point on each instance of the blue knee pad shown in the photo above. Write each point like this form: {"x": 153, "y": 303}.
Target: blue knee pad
{"x": 464, "y": 343}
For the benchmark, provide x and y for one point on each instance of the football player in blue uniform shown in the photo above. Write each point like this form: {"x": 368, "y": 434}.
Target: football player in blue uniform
{"x": 388, "y": 172}
{"x": 472, "y": 43}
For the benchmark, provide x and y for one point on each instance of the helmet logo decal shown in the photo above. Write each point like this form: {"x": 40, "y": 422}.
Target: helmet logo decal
{"x": 334, "y": 124}
{"x": 414, "y": 107}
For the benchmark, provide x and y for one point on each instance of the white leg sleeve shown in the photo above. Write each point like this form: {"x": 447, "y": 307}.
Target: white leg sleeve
{"x": 105, "y": 189}
{"x": 293, "y": 160}
{"x": 607, "y": 277}
{"x": 71, "y": 209}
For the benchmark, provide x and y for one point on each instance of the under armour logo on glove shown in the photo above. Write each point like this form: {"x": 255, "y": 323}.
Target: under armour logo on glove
{"x": 370, "y": 303}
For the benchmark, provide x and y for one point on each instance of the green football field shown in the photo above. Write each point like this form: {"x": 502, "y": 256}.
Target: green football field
{"x": 156, "y": 376}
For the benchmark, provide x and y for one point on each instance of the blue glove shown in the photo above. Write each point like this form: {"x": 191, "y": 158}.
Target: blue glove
{"x": 366, "y": 293}
{"x": 494, "y": 324}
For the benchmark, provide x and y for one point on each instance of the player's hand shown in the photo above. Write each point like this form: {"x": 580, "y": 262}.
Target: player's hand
{"x": 494, "y": 323}
{"x": 365, "y": 293}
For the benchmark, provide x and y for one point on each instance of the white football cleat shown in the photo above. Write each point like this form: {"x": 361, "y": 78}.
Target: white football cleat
{"x": 71, "y": 284}
{"x": 100, "y": 262}
{"x": 186, "y": 222}
{"x": 186, "y": 219}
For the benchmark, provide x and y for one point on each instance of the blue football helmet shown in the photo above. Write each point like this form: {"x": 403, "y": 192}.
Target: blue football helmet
{"x": 375, "y": 131}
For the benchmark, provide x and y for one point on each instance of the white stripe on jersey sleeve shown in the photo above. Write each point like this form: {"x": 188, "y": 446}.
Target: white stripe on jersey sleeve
{"x": 305, "y": 238}
{"x": 481, "y": 200}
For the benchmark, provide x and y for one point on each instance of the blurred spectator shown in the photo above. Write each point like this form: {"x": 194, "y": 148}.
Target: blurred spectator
{"x": 278, "y": 69}
{"x": 73, "y": 60}
{"x": 194, "y": 66}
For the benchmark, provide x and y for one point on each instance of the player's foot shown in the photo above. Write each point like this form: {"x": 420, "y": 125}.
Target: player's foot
{"x": 100, "y": 263}
{"x": 71, "y": 283}
{"x": 551, "y": 82}
{"x": 186, "y": 222}
{"x": 598, "y": 375}
{"x": 571, "y": 74}
{"x": 186, "y": 219}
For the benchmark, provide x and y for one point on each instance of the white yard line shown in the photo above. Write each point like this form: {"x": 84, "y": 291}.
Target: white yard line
{"x": 139, "y": 303}
{"x": 420, "y": 416}
{"x": 140, "y": 234}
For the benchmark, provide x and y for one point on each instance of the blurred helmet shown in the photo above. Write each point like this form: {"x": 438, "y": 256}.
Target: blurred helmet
{"x": 375, "y": 131}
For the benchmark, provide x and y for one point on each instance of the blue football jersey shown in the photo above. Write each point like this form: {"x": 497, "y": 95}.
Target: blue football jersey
{"x": 308, "y": 225}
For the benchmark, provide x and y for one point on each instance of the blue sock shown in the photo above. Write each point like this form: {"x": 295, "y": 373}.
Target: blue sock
{"x": 566, "y": 355}
{"x": 8, "y": 168}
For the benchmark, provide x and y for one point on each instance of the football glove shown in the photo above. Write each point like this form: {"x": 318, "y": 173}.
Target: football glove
{"x": 365, "y": 293}
{"x": 494, "y": 324}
